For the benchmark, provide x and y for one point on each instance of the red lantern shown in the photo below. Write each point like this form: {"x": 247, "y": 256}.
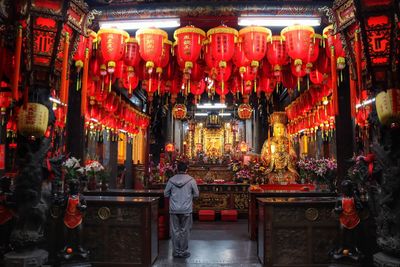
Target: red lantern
{"x": 151, "y": 42}
{"x": 162, "y": 62}
{"x": 313, "y": 52}
{"x": 112, "y": 46}
{"x": 189, "y": 40}
{"x": 222, "y": 44}
{"x": 277, "y": 53}
{"x": 176, "y": 87}
{"x": 179, "y": 111}
{"x": 5, "y": 101}
{"x": 112, "y": 103}
{"x": 267, "y": 85}
{"x": 169, "y": 147}
{"x": 243, "y": 147}
{"x": 221, "y": 92}
{"x": 297, "y": 39}
{"x": 197, "y": 88}
{"x": 79, "y": 56}
{"x": 132, "y": 55}
{"x": 333, "y": 40}
{"x": 239, "y": 58}
{"x": 130, "y": 82}
{"x": 245, "y": 111}
{"x": 255, "y": 43}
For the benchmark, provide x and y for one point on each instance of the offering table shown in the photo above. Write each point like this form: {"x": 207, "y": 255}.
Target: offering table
{"x": 163, "y": 203}
{"x": 296, "y": 231}
{"x": 295, "y": 190}
{"x": 121, "y": 231}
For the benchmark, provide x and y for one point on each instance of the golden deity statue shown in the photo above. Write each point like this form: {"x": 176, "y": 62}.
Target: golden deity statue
{"x": 278, "y": 154}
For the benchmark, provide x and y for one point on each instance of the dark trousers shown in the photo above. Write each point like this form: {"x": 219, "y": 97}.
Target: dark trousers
{"x": 180, "y": 227}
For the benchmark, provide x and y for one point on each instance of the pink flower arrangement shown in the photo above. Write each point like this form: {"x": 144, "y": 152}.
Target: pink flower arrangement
{"x": 318, "y": 170}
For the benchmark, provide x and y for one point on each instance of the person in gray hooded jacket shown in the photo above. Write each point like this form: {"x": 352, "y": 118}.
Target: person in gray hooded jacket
{"x": 181, "y": 189}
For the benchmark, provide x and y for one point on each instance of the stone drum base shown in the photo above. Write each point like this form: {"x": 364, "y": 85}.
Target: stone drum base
{"x": 31, "y": 258}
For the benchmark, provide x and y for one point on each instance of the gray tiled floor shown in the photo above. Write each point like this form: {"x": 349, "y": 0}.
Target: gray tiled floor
{"x": 214, "y": 244}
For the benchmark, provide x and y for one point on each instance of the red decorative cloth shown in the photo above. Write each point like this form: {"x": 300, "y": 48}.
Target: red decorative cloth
{"x": 73, "y": 216}
{"x": 349, "y": 217}
{"x": 5, "y": 213}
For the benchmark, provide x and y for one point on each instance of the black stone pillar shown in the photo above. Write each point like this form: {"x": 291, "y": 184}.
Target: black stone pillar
{"x": 344, "y": 127}
{"x": 128, "y": 166}
{"x": 75, "y": 123}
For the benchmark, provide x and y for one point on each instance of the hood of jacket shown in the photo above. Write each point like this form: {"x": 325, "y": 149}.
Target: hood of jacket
{"x": 180, "y": 180}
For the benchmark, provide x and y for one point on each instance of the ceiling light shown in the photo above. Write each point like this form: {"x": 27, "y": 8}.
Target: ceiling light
{"x": 225, "y": 114}
{"x": 279, "y": 21}
{"x": 201, "y": 114}
{"x": 141, "y": 23}
{"x": 211, "y": 106}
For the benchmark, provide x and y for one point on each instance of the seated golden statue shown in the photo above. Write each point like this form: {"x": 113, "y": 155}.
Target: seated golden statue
{"x": 278, "y": 154}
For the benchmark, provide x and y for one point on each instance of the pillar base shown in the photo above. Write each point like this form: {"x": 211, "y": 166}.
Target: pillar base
{"x": 30, "y": 258}
{"x": 383, "y": 260}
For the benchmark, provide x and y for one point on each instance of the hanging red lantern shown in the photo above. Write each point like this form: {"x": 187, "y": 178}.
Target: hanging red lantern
{"x": 132, "y": 54}
{"x": 255, "y": 43}
{"x": 176, "y": 87}
{"x": 222, "y": 75}
{"x": 189, "y": 40}
{"x": 130, "y": 82}
{"x": 297, "y": 39}
{"x": 151, "y": 42}
{"x": 267, "y": 85}
{"x": 239, "y": 58}
{"x": 5, "y": 101}
{"x": 179, "y": 111}
{"x": 222, "y": 44}
{"x": 150, "y": 86}
{"x": 334, "y": 40}
{"x": 313, "y": 51}
{"x": 169, "y": 147}
{"x": 277, "y": 53}
{"x": 79, "y": 56}
{"x": 245, "y": 111}
{"x": 197, "y": 88}
{"x": 112, "y": 103}
{"x": 289, "y": 81}
{"x": 221, "y": 92}
{"x": 163, "y": 61}
{"x": 112, "y": 46}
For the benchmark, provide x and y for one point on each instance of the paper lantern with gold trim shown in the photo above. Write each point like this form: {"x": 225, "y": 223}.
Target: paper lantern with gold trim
{"x": 388, "y": 107}
{"x": 245, "y": 111}
{"x": 33, "y": 120}
{"x": 179, "y": 111}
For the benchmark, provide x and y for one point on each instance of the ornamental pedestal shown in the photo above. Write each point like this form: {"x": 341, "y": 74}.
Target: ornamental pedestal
{"x": 383, "y": 260}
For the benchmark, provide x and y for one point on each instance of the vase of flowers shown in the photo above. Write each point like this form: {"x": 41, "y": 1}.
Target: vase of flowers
{"x": 95, "y": 172}
{"x": 72, "y": 169}
{"x": 321, "y": 172}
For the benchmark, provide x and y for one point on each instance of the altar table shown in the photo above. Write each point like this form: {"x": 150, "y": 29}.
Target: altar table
{"x": 121, "y": 231}
{"x": 296, "y": 231}
{"x": 277, "y": 191}
{"x": 163, "y": 204}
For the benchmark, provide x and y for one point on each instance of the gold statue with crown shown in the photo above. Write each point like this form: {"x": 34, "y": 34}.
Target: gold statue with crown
{"x": 278, "y": 153}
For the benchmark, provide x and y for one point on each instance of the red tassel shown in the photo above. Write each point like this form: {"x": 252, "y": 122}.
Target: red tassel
{"x": 334, "y": 81}
{"x": 64, "y": 69}
{"x": 15, "y": 78}
{"x": 85, "y": 83}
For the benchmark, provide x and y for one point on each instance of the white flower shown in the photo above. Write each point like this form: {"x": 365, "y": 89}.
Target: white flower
{"x": 71, "y": 163}
{"x": 94, "y": 166}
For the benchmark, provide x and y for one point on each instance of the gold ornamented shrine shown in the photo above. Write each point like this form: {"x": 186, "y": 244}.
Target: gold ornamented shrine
{"x": 212, "y": 142}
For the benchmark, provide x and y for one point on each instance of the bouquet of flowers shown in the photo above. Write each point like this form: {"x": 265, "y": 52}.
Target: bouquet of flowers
{"x": 73, "y": 169}
{"x": 95, "y": 171}
{"x": 321, "y": 171}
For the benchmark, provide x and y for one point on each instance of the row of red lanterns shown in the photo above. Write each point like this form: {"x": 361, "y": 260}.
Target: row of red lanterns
{"x": 203, "y": 61}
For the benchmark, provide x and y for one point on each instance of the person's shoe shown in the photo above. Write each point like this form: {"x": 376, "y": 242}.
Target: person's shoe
{"x": 185, "y": 254}
{"x": 176, "y": 255}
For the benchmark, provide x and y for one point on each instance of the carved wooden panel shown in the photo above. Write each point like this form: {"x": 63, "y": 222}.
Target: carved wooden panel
{"x": 241, "y": 201}
{"x": 290, "y": 246}
{"x": 211, "y": 201}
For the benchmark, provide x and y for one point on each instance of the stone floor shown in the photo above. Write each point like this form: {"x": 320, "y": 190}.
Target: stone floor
{"x": 214, "y": 244}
